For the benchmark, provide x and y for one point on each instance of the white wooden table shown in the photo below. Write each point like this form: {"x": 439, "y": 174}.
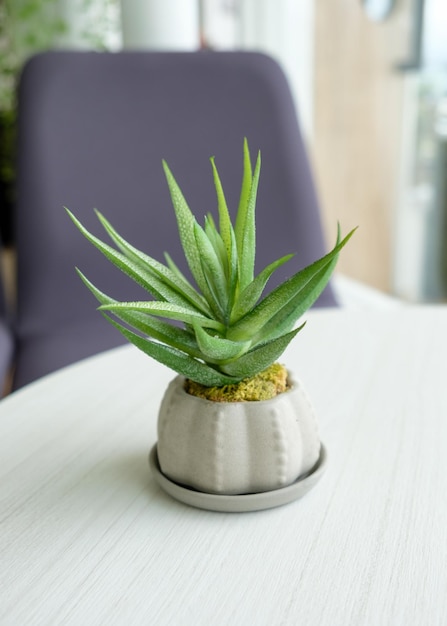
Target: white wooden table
{"x": 87, "y": 537}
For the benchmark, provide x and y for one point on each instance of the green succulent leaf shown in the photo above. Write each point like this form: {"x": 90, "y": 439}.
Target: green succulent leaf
{"x": 176, "y": 360}
{"x": 165, "y": 274}
{"x": 217, "y": 242}
{"x": 185, "y": 223}
{"x": 181, "y": 278}
{"x": 165, "y": 309}
{"x": 285, "y": 319}
{"x": 212, "y": 270}
{"x": 218, "y": 349}
{"x": 144, "y": 277}
{"x": 224, "y": 216}
{"x": 229, "y": 262}
{"x": 253, "y": 291}
{"x": 233, "y": 278}
{"x": 260, "y": 357}
{"x": 244, "y": 197}
{"x": 279, "y": 298}
{"x": 246, "y": 231}
{"x": 161, "y": 331}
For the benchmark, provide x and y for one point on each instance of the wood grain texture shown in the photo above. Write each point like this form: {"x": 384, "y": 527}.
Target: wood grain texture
{"x": 86, "y": 536}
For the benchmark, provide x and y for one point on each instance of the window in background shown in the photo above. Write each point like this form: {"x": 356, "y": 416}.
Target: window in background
{"x": 282, "y": 28}
{"x": 421, "y": 226}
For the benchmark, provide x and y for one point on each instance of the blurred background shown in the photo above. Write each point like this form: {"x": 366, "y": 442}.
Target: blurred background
{"x": 369, "y": 78}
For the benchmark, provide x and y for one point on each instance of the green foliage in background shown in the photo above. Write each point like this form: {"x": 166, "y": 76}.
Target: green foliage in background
{"x": 27, "y": 27}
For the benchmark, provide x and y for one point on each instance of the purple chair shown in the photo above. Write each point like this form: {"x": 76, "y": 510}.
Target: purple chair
{"x": 6, "y": 344}
{"x": 93, "y": 129}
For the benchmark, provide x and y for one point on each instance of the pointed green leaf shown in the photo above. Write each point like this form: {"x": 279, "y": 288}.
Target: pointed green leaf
{"x": 181, "y": 278}
{"x": 217, "y": 242}
{"x": 224, "y": 216}
{"x": 233, "y": 276}
{"x": 165, "y": 309}
{"x": 212, "y": 269}
{"x": 244, "y": 197}
{"x": 253, "y": 291}
{"x": 259, "y": 358}
{"x": 176, "y": 360}
{"x": 148, "y": 263}
{"x": 185, "y": 223}
{"x": 146, "y": 279}
{"x": 157, "y": 329}
{"x": 252, "y": 323}
{"x": 218, "y": 349}
{"x": 286, "y": 317}
{"x": 246, "y": 238}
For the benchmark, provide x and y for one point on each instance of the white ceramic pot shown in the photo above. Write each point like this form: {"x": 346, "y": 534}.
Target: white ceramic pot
{"x": 236, "y": 447}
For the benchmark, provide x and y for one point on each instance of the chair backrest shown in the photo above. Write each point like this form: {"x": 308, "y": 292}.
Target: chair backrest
{"x": 6, "y": 337}
{"x": 93, "y": 129}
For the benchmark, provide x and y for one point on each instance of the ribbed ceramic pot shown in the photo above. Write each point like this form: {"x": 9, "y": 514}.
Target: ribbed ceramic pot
{"x": 236, "y": 447}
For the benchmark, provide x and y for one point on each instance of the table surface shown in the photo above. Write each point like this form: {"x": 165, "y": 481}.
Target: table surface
{"x": 87, "y": 536}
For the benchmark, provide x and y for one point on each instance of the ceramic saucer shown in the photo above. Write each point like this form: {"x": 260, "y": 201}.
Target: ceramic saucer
{"x": 239, "y": 503}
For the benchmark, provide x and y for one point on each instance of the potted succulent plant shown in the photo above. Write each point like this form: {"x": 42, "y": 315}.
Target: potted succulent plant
{"x": 236, "y": 430}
